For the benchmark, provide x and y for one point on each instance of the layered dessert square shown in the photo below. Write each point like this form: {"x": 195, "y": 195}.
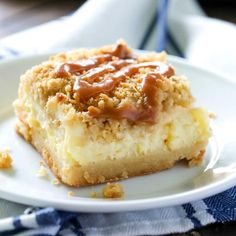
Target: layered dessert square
{"x": 107, "y": 114}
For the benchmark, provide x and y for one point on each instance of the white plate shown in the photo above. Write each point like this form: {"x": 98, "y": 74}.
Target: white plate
{"x": 175, "y": 186}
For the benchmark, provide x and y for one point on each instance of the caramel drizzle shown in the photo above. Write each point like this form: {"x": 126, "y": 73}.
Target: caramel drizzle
{"x": 87, "y": 89}
{"x": 86, "y": 86}
{"x": 150, "y": 85}
{"x": 145, "y": 113}
{"x": 63, "y": 70}
{"x": 119, "y": 66}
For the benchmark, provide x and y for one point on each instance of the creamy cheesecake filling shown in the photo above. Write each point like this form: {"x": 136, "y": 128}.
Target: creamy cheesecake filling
{"x": 176, "y": 130}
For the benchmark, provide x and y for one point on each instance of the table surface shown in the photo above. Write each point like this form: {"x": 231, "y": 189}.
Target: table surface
{"x": 18, "y": 15}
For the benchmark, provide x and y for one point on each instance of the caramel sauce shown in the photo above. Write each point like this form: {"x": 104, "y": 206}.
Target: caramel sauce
{"x": 146, "y": 113}
{"x": 93, "y": 74}
{"x": 86, "y": 86}
{"x": 63, "y": 70}
{"x": 116, "y": 66}
{"x": 87, "y": 89}
{"x": 150, "y": 85}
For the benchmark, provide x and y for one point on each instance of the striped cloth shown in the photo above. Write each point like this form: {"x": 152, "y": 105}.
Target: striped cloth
{"x": 155, "y": 35}
{"x": 46, "y": 222}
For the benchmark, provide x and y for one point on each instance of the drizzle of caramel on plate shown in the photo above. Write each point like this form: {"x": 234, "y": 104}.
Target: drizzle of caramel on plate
{"x": 115, "y": 67}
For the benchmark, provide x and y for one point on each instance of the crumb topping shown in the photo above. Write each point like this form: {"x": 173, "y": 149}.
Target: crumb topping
{"x": 113, "y": 190}
{"x": 109, "y": 83}
{"x": 5, "y": 160}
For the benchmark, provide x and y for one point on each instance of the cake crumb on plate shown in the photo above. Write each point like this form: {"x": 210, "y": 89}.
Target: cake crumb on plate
{"x": 5, "y": 160}
{"x": 41, "y": 163}
{"x": 70, "y": 194}
{"x": 55, "y": 181}
{"x": 113, "y": 190}
{"x": 93, "y": 194}
{"x": 212, "y": 115}
{"x": 42, "y": 172}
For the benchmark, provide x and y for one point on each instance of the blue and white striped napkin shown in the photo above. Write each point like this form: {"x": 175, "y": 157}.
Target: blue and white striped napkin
{"x": 185, "y": 31}
{"x": 219, "y": 208}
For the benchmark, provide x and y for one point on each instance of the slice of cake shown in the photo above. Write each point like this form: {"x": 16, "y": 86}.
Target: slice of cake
{"x": 106, "y": 114}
